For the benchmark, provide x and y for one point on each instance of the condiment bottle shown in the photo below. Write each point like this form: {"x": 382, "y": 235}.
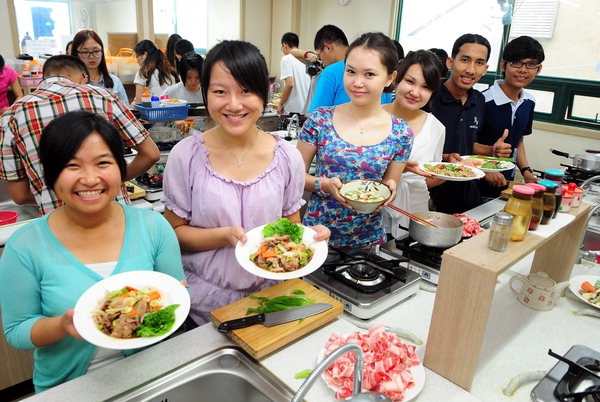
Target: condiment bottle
{"x": 500, "y": 231}
{"x": 567, "y": 200}
{"x": 26, "y": 72}
{"x": 577, "y": 193}
{"x": 146, "y": 98}
{"x": 155, "y": 101}
{"x": 519, "y": 206}
{"x": 549, "y": 200}
{"x": 537, "y": 205}
{"x": 555, "y": 176}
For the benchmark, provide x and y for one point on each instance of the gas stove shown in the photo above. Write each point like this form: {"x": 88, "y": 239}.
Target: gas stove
{"x": 424, "y": 260}
{"x": 575, "y": 378}
{"x": 574, "y": 174}
{"x": 366, "y": 281}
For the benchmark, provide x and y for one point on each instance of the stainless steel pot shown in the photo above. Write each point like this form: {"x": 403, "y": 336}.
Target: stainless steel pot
{"x": 582, "y": 161}
{"x": 447, "y": 233}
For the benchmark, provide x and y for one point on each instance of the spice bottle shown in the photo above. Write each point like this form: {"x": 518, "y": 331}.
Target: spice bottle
{"x": 500, "y": 231}
{"x": 146, "y": 98}
{"x": 537, "y": 205}
{"x": 555, "y": 176}
{"x": 155, "y": 101}
{"x": 519, "y": 206}
{"x": 549, "y": 200}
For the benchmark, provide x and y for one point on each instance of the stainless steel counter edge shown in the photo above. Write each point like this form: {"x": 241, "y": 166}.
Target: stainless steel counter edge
{"x": 139, "y": 368}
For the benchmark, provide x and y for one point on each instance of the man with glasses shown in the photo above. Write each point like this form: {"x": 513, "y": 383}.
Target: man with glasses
{"x": 509, "y": 108}
{"x": 61, "y": 91}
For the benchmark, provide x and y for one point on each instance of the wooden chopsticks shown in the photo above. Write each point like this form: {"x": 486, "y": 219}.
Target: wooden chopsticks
{"x": 411, "y": 216}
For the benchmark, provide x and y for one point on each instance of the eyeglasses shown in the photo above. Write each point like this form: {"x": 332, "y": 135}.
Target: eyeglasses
{"x": 93, "y": 53}
{"x": 518, "y": 64}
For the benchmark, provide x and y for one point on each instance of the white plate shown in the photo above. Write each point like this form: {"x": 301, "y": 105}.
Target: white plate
{"x": 478, "y": 173}
{"x": 172, "y": 292}
{"x": 180, "y": 102}
{"x": 255, "y": 237}
{"x": 502, "y": 165}
{"x": 575, "y": 285}
{"x": 418, "y": 373}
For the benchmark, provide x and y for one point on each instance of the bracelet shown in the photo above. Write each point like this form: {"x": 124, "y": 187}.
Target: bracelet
{"x": 307, "y": 53}
{"x": 526, "y": 168}
{"x": 318, "y": 189}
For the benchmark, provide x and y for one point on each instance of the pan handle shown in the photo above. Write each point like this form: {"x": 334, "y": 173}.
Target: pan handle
{"x": 592, "y": 151}
{"x": 560, "y": 153}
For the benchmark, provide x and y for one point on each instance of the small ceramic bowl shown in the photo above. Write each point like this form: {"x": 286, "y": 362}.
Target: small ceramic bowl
{"x": 365, "y": 207}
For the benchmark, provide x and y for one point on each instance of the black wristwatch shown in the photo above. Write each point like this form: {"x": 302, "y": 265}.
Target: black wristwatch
{"x": 526, "y": 168}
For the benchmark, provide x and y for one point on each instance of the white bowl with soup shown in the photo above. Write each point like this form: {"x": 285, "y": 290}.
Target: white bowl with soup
{"x": 365, "y": 195}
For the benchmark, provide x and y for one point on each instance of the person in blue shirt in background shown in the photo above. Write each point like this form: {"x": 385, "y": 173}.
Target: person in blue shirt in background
{"x": 509, "y": 107}
{"x": 331, "y": 45}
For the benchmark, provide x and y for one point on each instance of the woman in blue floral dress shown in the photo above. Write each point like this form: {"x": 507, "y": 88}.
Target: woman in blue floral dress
{"x": 355, "y": 140}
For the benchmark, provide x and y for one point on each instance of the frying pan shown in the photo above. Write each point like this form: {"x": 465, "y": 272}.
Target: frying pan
{"x": 447, "y": 233}
{"x": 583, "y": 161}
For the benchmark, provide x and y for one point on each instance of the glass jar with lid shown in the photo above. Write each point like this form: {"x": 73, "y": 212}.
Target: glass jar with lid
{"x": 519, "y": 206}
{"x": 500, "y": 231}
{"x": 537, "y": 205}
{"x": 549, "y": 200}
{"x": 555, "y": 176}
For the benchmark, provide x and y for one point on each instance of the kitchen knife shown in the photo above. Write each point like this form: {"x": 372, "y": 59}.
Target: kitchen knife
{"x": 276, "y": 318}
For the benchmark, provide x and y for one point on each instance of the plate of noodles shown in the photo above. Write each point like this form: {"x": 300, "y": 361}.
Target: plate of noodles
{"x": 452, "y": 171}
{"x": 131, "y": 310}
{"x": 281, "y": 250}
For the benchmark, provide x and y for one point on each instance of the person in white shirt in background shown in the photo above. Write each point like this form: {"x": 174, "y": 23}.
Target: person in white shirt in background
{"x": 293, "y": 73}
{"x": 188, "y": 89}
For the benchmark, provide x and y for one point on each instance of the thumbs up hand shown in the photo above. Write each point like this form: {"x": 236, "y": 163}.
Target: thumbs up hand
{"x": 501, "y": 149}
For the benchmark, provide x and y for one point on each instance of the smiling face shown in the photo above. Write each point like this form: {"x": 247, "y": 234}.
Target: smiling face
{"x": 365, "y": 76}
{"x": 91, "y": 180}
{"x": 235, "y": 109}
{"x": 92, "y": 62}
{"x": 469, "y": 65}
{"x": 519, "y": 78}
{"x": 412, "y": 92}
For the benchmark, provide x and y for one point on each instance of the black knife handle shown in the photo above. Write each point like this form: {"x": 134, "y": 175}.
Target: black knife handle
{"x": 241, "y": 323}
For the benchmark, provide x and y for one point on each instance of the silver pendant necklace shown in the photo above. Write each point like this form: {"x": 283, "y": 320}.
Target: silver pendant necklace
{"x": 362, "y": 128}
{"x": 238, "y": 161}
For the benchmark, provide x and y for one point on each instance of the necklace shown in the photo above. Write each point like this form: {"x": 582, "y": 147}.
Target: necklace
{"x": 238, "y": 161}
{"x": 362, "y": 128}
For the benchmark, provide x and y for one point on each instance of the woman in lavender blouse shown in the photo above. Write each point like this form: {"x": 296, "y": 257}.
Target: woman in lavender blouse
{"x": 229, "y": 179}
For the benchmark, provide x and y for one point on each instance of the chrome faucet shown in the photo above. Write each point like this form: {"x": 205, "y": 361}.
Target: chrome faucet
{"x": 591, "y": 180}
{"x": 357, "y": 395}
{"x": 294, "y": 124}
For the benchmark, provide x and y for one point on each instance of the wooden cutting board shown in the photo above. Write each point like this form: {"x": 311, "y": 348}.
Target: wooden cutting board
{"x": 137, "y": 192}
{"x": 258, "y": 340}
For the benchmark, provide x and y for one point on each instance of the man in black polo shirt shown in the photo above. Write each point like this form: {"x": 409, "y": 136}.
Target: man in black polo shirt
{"x": 461, "y": 109}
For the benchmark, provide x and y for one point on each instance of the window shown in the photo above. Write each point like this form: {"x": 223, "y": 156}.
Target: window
{"x": 43, "y": 26}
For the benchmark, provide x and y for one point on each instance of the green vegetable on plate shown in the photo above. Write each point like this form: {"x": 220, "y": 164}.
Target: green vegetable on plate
{"x": 158, "y": 323}
{"x": 284, "y": 227}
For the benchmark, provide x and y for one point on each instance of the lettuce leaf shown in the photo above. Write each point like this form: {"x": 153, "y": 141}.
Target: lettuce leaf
{"x": 284, "y": 227}
{"x": 158, "y": 323}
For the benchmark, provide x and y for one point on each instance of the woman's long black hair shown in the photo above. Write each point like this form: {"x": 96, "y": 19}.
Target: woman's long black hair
{"x": 155, "y": 60}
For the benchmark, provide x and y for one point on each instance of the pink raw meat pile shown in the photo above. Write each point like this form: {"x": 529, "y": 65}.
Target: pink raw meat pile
{"x": 471, "y": 226}
{"x": 387, "y": 364}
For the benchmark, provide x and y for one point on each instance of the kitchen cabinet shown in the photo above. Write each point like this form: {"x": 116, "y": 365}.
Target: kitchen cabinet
{"x": 468, "y": 277}
{"x": 16, "y": 365}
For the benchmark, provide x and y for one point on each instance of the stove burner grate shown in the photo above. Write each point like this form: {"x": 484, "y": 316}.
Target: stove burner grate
{"x": 585, "y": 368}
{"x": 363, "y": 270}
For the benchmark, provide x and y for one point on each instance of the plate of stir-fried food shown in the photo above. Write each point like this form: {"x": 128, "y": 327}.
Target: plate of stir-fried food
{"x": 452, "y": 171}
{"x": 131, "y": 310}
{"x": 586, "y": 288}
{"x": 281, "y": 250}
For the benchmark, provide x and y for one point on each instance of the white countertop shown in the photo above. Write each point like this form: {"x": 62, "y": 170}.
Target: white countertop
{"x": 517, "y": 341}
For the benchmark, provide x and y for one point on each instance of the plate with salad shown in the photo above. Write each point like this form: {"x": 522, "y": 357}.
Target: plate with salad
{"x": 131, "y": 310}
{"x": 587, "y": 289}
{"x": 488, "y": 163}
{"x": 452, "y": 171}
{"x": 281, "y": 250}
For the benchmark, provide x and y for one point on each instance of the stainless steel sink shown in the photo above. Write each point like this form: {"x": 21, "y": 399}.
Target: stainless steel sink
{"x": 225, "y": 375}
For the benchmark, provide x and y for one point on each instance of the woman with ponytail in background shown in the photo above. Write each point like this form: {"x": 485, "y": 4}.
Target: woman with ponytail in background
{"x": 155, "y": 72}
